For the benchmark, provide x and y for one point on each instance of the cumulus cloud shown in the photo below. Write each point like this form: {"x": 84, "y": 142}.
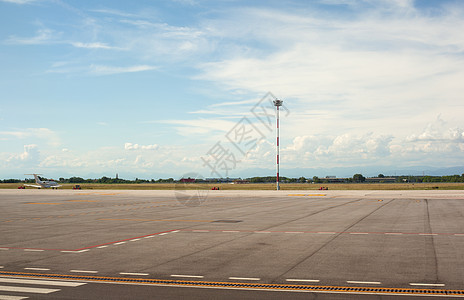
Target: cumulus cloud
{"x": 437, "y": 131}
{"x": 30, "y": 155}
{"x": 346, "y": 148}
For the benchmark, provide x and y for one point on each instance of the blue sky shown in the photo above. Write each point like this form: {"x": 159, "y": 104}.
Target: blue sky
{"x": 149, "y": 88}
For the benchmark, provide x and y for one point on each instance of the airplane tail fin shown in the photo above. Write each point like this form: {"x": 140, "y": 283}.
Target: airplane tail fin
{"x": 36, "y": 177}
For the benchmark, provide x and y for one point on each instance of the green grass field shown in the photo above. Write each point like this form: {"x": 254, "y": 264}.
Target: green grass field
{"x": 263, "y": 186}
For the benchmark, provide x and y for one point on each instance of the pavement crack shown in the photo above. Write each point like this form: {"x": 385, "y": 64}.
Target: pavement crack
{"x": 431, "y": 261}
{"x": 333, "y": 237}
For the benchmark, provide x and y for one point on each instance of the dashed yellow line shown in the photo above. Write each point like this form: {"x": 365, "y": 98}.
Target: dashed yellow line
{"x": 45, "y": 203}
{"x": 82, "y": 200}
{"x": 306, "y": 195}
{"x": 157, "y": 220}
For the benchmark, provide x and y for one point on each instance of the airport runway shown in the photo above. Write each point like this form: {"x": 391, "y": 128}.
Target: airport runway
{"x": 231, "y": 244}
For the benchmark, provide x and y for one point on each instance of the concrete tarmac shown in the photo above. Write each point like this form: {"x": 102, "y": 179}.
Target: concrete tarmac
{"x": 256, "y": 241}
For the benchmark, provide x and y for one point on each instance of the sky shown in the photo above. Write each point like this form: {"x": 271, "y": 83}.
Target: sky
{"x": 163, "y": 88}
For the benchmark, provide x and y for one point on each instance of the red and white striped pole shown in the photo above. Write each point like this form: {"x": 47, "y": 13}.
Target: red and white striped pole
{"x": 277, "y": 104}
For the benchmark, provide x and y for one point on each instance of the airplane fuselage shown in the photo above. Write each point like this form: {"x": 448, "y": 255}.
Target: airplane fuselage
{"x": 43, "y": 184}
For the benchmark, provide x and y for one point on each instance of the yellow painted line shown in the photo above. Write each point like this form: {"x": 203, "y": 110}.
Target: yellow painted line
{"x": 359, "y": 290}
{"x": 82, "y": 200}
{"x": 157, "y": 220}
{"x": 96, "y": 193}
{"x": 307, "y": 195}
{"x": 45, "y": 203}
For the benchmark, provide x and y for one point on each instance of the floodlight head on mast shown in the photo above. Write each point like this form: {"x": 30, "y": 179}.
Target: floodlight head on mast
{"x": 278, "y": 102}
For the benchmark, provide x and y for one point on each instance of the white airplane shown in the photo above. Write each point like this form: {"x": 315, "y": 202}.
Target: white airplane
{"x": 43, "y": 184}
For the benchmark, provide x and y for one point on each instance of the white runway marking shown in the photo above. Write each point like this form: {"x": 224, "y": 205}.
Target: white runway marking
{"x": 244, "y": 278}
{"x": 27, "y": 289}
{"x": 363, "y": 282}
{"x": 302, "y": 280}
{"x": 200, "y": 230}
{"x": 101, "y": 247}
{"x": 164, "y": 233}
{"x": 230, "y": 231}
{"x": 294, "y": 232}
{"x": 136, "y": 274}
{"x": 34, "y": 250}
{"x": 322, "y": 232}
{"x": 85, "y": 250}
{"x": 120, "y": 243}
{"x": 5, "y": 297}
{"x": 393, "y": 233}
{"x": 188, "y": 276}
{"x": 41, "y": 282}
{"x": 428, "y": 234}
{"x": 359, "y": 233}
{"x": 134, "y": 240}
{"x": 37, "y": 269}
{"x": 427, "y": 284}
{"x": 83, "y": 271}
{"x": 176, "y": 231}
{"x": 262, "y": 232}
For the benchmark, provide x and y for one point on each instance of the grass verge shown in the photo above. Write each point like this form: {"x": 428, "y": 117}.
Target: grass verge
{"x": 262, "y": 186}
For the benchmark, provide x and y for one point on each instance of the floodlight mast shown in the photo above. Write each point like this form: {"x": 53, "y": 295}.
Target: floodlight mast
{"x": 277, "y": 104}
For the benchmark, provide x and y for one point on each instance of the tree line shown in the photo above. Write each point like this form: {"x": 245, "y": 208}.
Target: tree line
{"x": 357, "y": 178}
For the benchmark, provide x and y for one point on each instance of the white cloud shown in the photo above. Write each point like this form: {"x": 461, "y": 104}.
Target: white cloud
{"x": 19, "y": 1}
{"x": 30, "y": 155}
{"x": 43, "y": 36}
{"x": 382, "y": 70}
{"x": 130, "y": 146}
{"x": 438, "y": 132}
{"x": 201, "y": 126}
{"x": 359, "y": 87}
{"x": 346, "y": 149}
{"x": 95, "y": 45}
{"x": 110, "y": 70}
{"x": 46, "y": 134}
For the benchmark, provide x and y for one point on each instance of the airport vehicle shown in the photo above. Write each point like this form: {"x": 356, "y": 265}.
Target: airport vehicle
{"x": 43, "y": 184}
{"x": 76, "y": 187}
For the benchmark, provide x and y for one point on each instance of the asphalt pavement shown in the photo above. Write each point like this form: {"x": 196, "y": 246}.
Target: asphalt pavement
{"x": 233, "y": 244}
